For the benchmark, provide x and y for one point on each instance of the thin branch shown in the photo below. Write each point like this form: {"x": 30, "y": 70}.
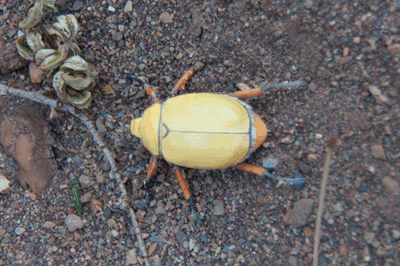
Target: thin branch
{"x": 37, "y": 97}
{"x": 329, "y": 149}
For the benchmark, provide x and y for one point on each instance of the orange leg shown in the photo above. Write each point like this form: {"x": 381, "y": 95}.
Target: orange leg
{"x": 247, "y": 93}
{"x": 252, "y": 169}
{"x": 150, "y": 91}
{"x": 150, "y": 173}
{"x": 298, "y": 180}
{"x": 187, "y": 193}
{"x": 182, "y": 81}
{"x": 264, "y": 87}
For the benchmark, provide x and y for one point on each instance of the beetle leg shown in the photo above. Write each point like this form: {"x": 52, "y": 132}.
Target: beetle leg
{"x": 150, "y": 91}
{"x": 258, "y": 91}
{"x": 182, "y": 81}
{"x": 152, "y": 168}
{"x": 187, "y": 193}
{"x": 298, "y": 180}
{"x": 247, "y": 93}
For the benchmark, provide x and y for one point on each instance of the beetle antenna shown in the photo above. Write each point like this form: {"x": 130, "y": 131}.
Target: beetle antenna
{"x": 135, "y": 78}
{"x": 268, "y": 87}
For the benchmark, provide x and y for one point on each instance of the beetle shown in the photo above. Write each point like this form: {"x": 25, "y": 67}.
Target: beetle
{"x": 203, "y": 131}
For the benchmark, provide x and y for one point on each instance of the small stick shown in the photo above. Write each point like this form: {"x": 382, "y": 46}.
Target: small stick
{"x": 37, "y": 97}
{"x": 331, "y": 145}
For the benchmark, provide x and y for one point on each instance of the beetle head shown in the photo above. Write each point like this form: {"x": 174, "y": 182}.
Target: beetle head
{"x": 135, "y": 123}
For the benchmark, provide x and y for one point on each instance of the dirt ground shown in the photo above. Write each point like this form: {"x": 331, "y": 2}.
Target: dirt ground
{"x": 348, "y": 53}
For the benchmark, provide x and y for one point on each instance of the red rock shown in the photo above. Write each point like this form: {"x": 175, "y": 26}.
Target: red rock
{"x": 35, "y": 73}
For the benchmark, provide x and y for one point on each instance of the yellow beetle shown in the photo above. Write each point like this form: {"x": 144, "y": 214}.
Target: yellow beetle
{"x": 203, "y": 131}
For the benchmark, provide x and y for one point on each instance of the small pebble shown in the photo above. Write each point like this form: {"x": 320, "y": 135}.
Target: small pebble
{"x": 19, "y": 230}
{"x": 73, "y": 222}
{"x": 4, "y": 184}
{"x": 152, "y": 249}
{"x": 338, "y": 207}
{"x": 366, "y": 254}
{"x": 166, "y": 18}
{"x": 140, "y": 204}
{"x": 301, "y": 211}
{"x": 396, "y": 234}
{"x": 111, "y": 9}
{"x": 35, "y": 73}
{"x": 49, "y": 225}
{"x": 84, "y": 181}
{"x": 219, "y": 208}
{"x": 371, "y": 169}
{"x": 131, "y": 258}
{"x": 394, "y": 49}
{"x": 192, "y": 244}
{"x": 376, "y": 244}
{"x": 180, "y": 237}
{"x": 374, "y": 90}
{"x": 128, "y": 7}
{"x": 78, "y": 5}
{"x": 270, "y": 163}
{"x": 312, "y": 158}
{"x": 304, "y": 168}
{"x": 378, "y": 152}
{"x": 391, "y": 185}
{"x": 308, "y": 4}
{"x": 112, "y": 224}
{"x": 369, "y": 237}
{"x": 160, "y": 210}
{"x": 100, "y": 126}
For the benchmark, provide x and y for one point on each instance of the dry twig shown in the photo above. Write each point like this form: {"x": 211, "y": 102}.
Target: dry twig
{"x": 37, "y": 97}
{"x": 329, "y": 149}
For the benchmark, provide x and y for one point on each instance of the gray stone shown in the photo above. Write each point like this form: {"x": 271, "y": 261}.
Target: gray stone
{"x": 166, "y": 18}
{"x": 292, "y": 261}
{"x": 378, "y": 152}
{"x": 160, "y": 210}
{"x": 338, "y": 207}
{"x": 369, "y": 237}
{"x": 78, "y": 5}
{"x": 180, "y": 237}
{"x": 131, "y": 257}
{"x": 304, "y": 168}
{"x": 219, "y": 208}
{"x": 84, "y": 181}
{"x": 140, "y": 204}
{"x": 128, "y": 7}
{"x": 100, "y": 126}
{"x": 395, "y": 234}
{"x": 270, "y": 163}
{"x": 19, "y": 230}
{"x": 301, "y": 211}
{"x": 73, "y": 222}
{"x": 391, "y": 185}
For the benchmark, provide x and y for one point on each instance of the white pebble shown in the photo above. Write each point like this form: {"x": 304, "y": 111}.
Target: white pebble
{"x": 111, "y": 9}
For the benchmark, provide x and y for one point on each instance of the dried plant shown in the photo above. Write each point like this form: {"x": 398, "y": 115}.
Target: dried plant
{"x": 55, "y": 48}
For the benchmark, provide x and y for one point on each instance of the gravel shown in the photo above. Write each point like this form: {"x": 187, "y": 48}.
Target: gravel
{"x": 342, "y": 50}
